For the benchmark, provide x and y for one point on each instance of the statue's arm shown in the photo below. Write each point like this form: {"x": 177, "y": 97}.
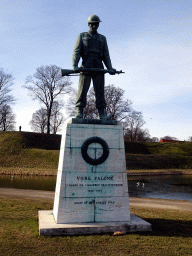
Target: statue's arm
{"x": 77, "y": 52}
{"x": 106, "y": 57}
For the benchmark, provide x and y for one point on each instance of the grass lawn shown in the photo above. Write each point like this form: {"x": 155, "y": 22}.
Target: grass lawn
{"x": 171, "y": 235}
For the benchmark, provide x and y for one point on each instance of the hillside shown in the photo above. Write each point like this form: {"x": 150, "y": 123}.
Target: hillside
{"x": 158, "y": 155}
{"x": 41, "y": 151}
{"x": 29, "y": 150}
{"x": 18, "y": 140}
{"x": 159, "y": 148}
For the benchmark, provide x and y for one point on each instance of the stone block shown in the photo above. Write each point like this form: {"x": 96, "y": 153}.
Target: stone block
{"x": 48, "y": 226}
{"x": 91, "y": 196}
{"x": 112, "y": 209}
{"x": 94, "y": 185}
{"x": 76, "y": 134}
{"x": 73, "y": 161}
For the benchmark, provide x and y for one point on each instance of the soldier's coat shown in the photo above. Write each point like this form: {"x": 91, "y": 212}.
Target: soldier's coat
{"x": 91, "y": 46}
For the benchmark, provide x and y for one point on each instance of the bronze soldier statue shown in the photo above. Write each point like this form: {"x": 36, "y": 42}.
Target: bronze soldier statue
{"x": 92, "y": 48}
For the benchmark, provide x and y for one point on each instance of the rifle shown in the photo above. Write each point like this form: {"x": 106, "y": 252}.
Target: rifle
{"x": 87, "y": 71}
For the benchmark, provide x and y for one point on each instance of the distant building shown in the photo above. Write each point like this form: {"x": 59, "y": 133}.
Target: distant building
{"x": 164, "y": 140}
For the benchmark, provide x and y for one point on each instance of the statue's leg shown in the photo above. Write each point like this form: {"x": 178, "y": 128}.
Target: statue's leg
{"x": 98, "y": 84}
{"x": 83, "y": 87}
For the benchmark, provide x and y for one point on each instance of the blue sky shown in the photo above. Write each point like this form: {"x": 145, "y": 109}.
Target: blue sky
{"x": 148, "y": 39}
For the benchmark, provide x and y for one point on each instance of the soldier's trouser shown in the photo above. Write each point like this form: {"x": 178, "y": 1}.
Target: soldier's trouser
{"x": 84, "y": 84}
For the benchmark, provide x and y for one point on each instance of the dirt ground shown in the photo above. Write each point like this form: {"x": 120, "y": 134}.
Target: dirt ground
{"x": 141, "y": 202}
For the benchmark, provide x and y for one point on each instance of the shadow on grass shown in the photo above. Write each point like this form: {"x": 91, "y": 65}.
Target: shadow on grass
{"x": 169, "y": 228}
{"x": 160, "y": 227}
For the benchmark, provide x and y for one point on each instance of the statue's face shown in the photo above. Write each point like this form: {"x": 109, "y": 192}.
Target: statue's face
{"x": 93, "y": 26}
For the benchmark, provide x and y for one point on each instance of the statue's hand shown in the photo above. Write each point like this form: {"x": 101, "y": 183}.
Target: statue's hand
{"x": 112, "y": 71}
{"x": 76, "y": 68}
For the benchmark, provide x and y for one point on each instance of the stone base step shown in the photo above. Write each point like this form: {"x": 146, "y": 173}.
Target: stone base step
{"x": 48, "y": 226}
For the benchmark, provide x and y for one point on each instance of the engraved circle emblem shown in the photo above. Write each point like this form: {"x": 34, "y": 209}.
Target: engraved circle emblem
{"x": 85, "y": 146}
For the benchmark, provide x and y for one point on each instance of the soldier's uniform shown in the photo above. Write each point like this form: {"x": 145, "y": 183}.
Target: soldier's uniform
{"x": 93, "y": 49}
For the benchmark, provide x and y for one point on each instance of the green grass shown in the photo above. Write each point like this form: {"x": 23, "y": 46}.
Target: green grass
{"x": 15, "y": 153}
{"x": 24, "y": 150}
{"x": 11, "y": 143}
{"x": 171, "y": 235}
{"x": 159, "y": 148}
{"x": 41, "y": 158}
{"x": 158, "y": 155}
{"x": 30, "y": 140}
{"x": 31, "y": 158}
{"x": 150, "y": 162}
{"x": 168, "y": 148}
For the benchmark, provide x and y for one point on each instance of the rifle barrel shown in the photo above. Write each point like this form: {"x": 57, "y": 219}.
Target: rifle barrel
{"x": 68, "y": 72}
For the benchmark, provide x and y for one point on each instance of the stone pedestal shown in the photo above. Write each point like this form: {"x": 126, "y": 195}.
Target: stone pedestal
{"x": 91, "y": 193}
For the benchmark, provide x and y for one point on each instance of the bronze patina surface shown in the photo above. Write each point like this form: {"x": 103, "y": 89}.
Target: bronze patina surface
{"x": 93, "y": 49}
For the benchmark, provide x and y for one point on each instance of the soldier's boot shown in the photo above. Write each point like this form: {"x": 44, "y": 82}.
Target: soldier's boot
{"x": 79, "y": 112}
{"x": 102, "y": 114}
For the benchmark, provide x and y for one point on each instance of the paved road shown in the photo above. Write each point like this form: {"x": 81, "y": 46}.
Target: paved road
{"x": 141, "y": 202}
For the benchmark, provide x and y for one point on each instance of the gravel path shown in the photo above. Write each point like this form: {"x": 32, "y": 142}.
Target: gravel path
{"x": 140, "y": 202}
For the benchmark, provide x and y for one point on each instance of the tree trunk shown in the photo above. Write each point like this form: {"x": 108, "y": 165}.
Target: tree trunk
{"x": 48, "y": 121}
{"x": 4, "y": 122}
{"x": 49, "y": 117}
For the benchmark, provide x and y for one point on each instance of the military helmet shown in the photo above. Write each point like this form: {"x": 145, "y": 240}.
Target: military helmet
{"x": 93, "y": 19}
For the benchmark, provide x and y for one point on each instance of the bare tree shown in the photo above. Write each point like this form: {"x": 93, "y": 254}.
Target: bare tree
{"x": 39, "y": 120}
{"x": 143, "y": 135}
{"x": 116, "y": 107}
{"x": 6, "y": 81}
{"x": 70, "y": 106}
{"x": 90, "y": 111}
{"x": 154, "y": 139}
{"x": 57, "y": 118}
{"x": 7, "y": 118}
{"x": 137, "y": 135}
{"x": 133, "y": 127}
{"x": 168, "y": 138}
{"x": 47, "y": 85}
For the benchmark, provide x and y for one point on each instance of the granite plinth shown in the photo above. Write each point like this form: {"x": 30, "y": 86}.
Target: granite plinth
{"x": 92, "y": 121}
{"x": 91, "y": 193}
{"x": 48, "y": 226}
